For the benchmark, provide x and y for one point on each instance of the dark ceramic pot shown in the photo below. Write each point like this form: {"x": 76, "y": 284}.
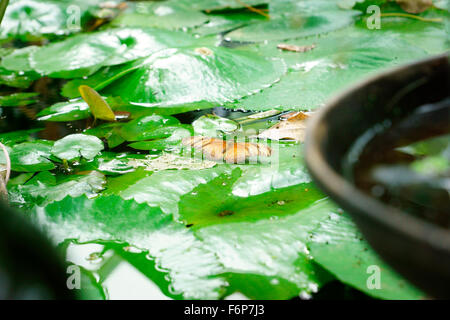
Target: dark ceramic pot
{"x": 416, "y": 248}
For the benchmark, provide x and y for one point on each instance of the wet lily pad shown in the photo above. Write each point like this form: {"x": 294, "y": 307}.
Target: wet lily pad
{"x": 18, "y": 60}
{"x": 15, "y": 137}
{"x": 221, "y": 23}
{"x": 109, "y": 131}
{"x": 33, "y": 18}
{"x": 339, "y": 247}
{"x": 32, "y": 156}
{"x": 175, "y": 249}
{"x": 303, "y": 19}
{"x": 84, "y": 54}
{"x": 17, "y": 79}
{"x": 140, "y": 43}
{"x": 213, "y": 126}
{"x": 170, "y": 15}
{"x": 46, "y": 187}
{"x": 224, "y": 207}
{"x": 142, "y": 128}
{"x": 164, "y": 138}
{"x": 338, "y": 60}
{"x": 224, "y": 5}
{"x": 196, "y": 76}
{"x": 78, "y": 56}
{"x": 65, "y": 111}
{"x": 75, "y": 146}
{"x": 18, "y": 99}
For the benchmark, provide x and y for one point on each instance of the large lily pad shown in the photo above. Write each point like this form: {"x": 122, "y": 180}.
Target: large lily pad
{"x": 142, "y": 128}
{"x": 65, "y": 111}
{"x": 33, "y": 18}
{"x": 83, "y": 54}
{"x": 222, "y": 5}
{"x": 32, "y": 156}
{"x": 18, "y": 99}
{"x": 78, "y": 56}
{"x": 45, "y": 188}
{"x": 296, "y": 20}
{"x": 175, "y": 249}
{"x": 15, "y": 137}
{"x": 339, "y": 247}
{"x": 17, "y": 79}
{"x": 212, "y": 125}
{"x": 167, "y": 15}
{"x": 196, "y": 76}
{"x": 338, "y": 60}
{"x": 18, "y": 60}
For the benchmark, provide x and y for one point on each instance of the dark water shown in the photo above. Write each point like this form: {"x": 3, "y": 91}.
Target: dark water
{"x": 407, "y": 164}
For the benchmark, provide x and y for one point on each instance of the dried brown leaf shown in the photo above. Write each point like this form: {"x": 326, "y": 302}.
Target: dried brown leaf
{"x": 415, "y": 6}
{"x": 291, "y": 127}
{"x": 295, "y": 48}
{"x": 230, "y": 151}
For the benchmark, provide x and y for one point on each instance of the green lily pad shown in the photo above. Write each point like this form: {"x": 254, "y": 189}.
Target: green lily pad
{"x": 213, "y": 126}
{"x": 72, "y": 110}
{"x": 220, "y": 23}
{"x": 175, "y": 250}
{"x": 285, "y": 169}
{"x": 165, "y": 138}
{"x": 18, "y": 60}
{"x": 339, "y": 59}
{"x": 339, "y": 247}
{"x": 164, "y": 188}
{"x": 77, "y": 145}
{"x": 27, "y": 20}
{"x": 32, "y": 156}
{"x": 97, "y": 80}
{"x": 15, "y": 137}
{"x": 65, "y": 111}
{"x": 224, "y": 207}
{"x": 17, "y": 79}
{"x": 299, "y": 22}
{"x": 45, "y": 188}
{"x": 141, "y": 43}
{"x": 33, "y": 18}
{"x": 84, "y": 54}
{"x": 18, "y": 99}
{"x": 222, "y": 5}
{"x": 77, "y": 56}
{"x": 195, "y": 76}
{"x": 109, "y": 131}
{"x": 109, "y": 163}
{"x": 142, "y": 128}
{"x": 167, "y": 15}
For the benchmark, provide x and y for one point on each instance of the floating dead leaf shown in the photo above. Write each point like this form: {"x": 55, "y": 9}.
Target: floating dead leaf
{"x": 230, "y": 151}
{"x": 204, "y": 51}
{"x": 113, "y": 5}
{"x": 171, "y": 161}
{"x": 295, "y": 48}
{"x": 415, "y": 6}
{"x": 291, "y": 127}
{"x": 295, "y": 115}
